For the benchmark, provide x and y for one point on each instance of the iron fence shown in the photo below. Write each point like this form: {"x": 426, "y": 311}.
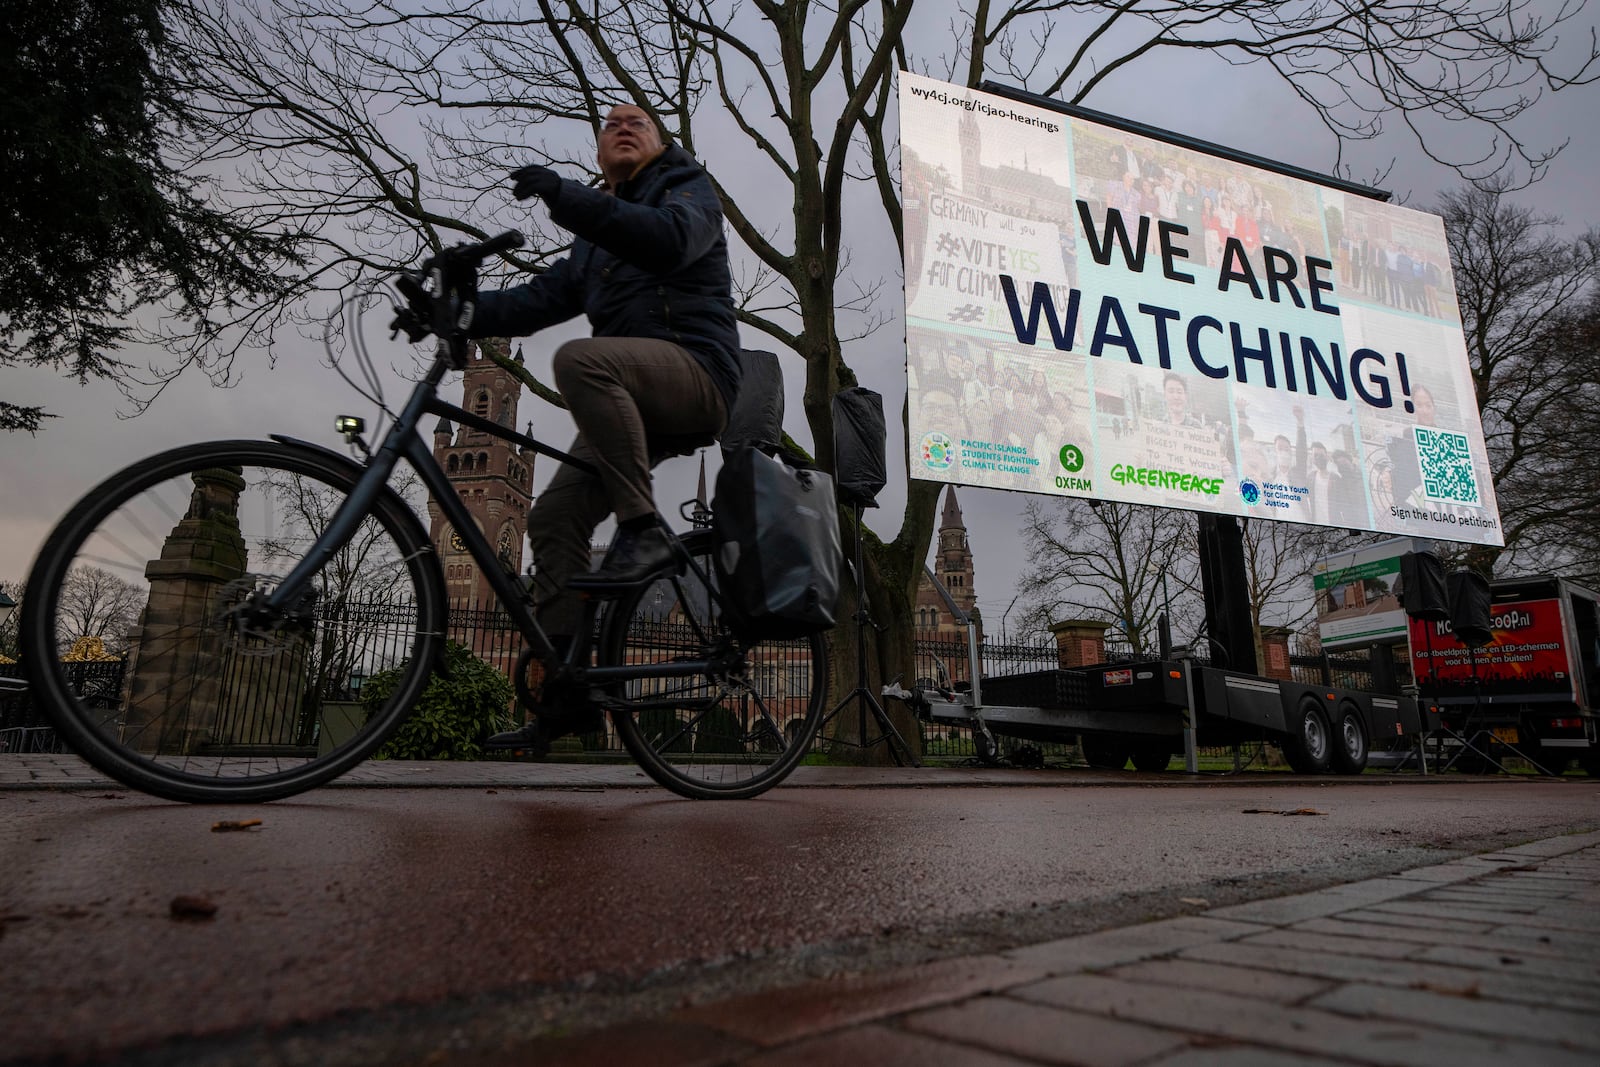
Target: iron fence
{"x": 357, "y": 641}
{"x": 24, "y": 727}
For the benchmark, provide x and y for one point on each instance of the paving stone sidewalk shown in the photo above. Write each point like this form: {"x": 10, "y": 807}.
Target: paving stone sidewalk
{"x": 1493, "y": 959}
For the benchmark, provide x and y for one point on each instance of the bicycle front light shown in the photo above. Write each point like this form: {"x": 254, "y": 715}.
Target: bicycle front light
{"x": 350, "y": 425}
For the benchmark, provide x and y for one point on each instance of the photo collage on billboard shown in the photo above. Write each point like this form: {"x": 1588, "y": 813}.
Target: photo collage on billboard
{"x": 995, "y": 410}
{"x": 979, "y": 203}
{"x": 1398, "y": 284}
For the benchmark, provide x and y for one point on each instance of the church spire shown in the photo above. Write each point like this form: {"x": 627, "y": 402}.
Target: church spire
{"x": 952, "y": 512}
{"x": 702, "y": 508}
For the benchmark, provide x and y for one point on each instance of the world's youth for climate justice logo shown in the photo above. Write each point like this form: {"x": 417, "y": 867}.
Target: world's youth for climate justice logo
{"x": 1250, "y": 491}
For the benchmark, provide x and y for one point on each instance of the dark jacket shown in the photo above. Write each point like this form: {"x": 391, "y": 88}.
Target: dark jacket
{"x": 649, "y": 261}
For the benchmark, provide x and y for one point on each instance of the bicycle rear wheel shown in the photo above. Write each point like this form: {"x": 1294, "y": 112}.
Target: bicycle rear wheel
{"x": 131, "y": 624}
{"x": 731, "y": 732}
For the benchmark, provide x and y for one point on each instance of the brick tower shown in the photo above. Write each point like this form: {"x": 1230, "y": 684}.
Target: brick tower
{"x": 953, "y": 564}
{"x": 493, "y": 477}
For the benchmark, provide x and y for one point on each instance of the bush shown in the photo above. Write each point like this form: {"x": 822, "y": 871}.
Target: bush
{"x": 455, "y": 713}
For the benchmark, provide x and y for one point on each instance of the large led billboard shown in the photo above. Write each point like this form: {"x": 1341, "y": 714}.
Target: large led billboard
{"x": 1097, "y": 313}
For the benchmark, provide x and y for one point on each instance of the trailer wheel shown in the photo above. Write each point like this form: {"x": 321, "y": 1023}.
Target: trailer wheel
{"x": 1105, "y": 753}
{"x": 1349, "y": 748}
{"x": 1307, "y": 746}
{"x": 1151, "y": 756}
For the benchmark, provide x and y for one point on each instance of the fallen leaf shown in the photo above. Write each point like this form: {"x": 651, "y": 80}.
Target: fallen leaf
{"x": 1469, "y": 991}
{"x": 1275, "y": 811}
{"x": 192, "y": 908}
{"x": 234, "y": 824}
{"x": 1198, "y": 902}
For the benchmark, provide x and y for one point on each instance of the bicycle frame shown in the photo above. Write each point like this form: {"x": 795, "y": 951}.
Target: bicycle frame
{"x": 402, "y": 442}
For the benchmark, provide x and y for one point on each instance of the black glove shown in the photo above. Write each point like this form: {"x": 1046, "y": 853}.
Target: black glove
{"x": 458, "y": 273}
{"x": 534, "y": 180}
{"x": 408, "y": 320}
{"x": 414, "y": 319}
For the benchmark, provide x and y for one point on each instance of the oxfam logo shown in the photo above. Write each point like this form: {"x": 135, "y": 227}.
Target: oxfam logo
{"x": 938, "y": 451}
{"x": 1071, "y": 457}
{"x": 1250, "y": 491}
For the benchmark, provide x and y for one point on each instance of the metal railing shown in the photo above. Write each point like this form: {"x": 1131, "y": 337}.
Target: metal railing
{"x": 358, "y": 640}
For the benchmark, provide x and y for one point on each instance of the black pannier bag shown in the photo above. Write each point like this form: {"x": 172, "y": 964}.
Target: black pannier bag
{"x": 776, "y": 528}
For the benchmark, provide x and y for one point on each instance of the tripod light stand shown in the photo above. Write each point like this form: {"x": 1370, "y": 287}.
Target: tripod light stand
{"x": 858, "y": 459}
{"x": 1470, "y": 619}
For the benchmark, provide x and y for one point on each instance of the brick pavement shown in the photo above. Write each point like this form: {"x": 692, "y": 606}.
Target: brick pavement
{"x": 1492, "y": 959}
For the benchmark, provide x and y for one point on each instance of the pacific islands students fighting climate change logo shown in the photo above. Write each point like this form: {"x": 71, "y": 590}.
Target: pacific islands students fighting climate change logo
{"x": 938, "y": 451}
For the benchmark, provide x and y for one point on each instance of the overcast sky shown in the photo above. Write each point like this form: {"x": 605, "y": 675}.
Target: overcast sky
{"x": 43, "y": 475}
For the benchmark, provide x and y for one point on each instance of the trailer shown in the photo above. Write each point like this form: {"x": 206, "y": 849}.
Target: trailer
{"x": 1531, "y": 691}
{"x": 1146, "y": 712}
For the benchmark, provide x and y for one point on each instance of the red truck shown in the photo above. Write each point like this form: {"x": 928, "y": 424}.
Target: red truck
{"x": 1533, "y": 687}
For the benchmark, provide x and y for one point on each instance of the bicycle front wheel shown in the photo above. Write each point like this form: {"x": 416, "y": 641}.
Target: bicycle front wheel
{"x": 137, "y": 646}
{"x": 731, "y": 731}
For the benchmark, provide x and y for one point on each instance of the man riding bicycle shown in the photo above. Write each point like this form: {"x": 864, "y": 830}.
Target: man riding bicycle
{"x": 650, "y": 270}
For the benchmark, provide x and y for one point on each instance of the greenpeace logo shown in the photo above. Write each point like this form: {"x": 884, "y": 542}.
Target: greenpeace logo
{"x": 1155, "y": 478}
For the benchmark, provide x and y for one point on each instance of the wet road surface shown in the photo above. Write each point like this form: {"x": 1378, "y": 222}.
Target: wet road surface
{"x": 351, "y": 900}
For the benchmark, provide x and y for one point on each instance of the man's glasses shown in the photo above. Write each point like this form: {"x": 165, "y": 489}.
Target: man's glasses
{"x": 636, "y": 123}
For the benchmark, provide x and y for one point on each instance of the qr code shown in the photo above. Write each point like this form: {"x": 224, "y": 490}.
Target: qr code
{"x": 1446, "y": 466}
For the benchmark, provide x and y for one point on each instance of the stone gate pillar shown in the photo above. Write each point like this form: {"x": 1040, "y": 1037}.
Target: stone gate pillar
{"x": 177, "y": 669}
{"x": 1080, "y": 642}
{"x": 1275, "y": 652}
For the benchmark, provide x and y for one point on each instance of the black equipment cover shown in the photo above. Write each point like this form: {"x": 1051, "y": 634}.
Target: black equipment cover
{"x": 1469, "y": 609}
{"x": 858, "y": 442}
{"x": 1422, "y": 587}
{"x": 776, "y": 526}
{"x": 757, "y": 415}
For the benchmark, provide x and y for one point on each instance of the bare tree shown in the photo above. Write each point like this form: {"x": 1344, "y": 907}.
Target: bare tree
{"x": 355, "y": 591}
{"x": 1571, "y": 460}
{"x": 1120, "y": 564}
{"x": 366, "y": 570}
{"x": 1528, "y": 299}
{"x": 379, "y": 130}
{"x": 96, "y": 603}
{"x": 1278, "y": 557}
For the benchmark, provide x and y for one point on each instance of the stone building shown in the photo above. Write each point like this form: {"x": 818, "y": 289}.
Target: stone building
{"x": 493, "y": 477}
{"x": 936, "y": 625}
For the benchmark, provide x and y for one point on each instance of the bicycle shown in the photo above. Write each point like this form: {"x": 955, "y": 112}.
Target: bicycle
{"x": 277, "y": 573}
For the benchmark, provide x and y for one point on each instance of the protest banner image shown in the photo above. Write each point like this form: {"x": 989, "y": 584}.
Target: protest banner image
{"x": 1358, "y": 595}
{"x": 1097, "y": 312}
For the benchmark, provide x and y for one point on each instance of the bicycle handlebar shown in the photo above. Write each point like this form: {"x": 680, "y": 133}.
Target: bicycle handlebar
{"x": 446, "y": 310}
{"x": 502, "y": 242}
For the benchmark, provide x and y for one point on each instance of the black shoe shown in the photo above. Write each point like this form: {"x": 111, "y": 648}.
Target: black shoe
{"x": 529, "y": 740}
{"x": 547, "y": 725}
{"x": 634, "y": 557}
